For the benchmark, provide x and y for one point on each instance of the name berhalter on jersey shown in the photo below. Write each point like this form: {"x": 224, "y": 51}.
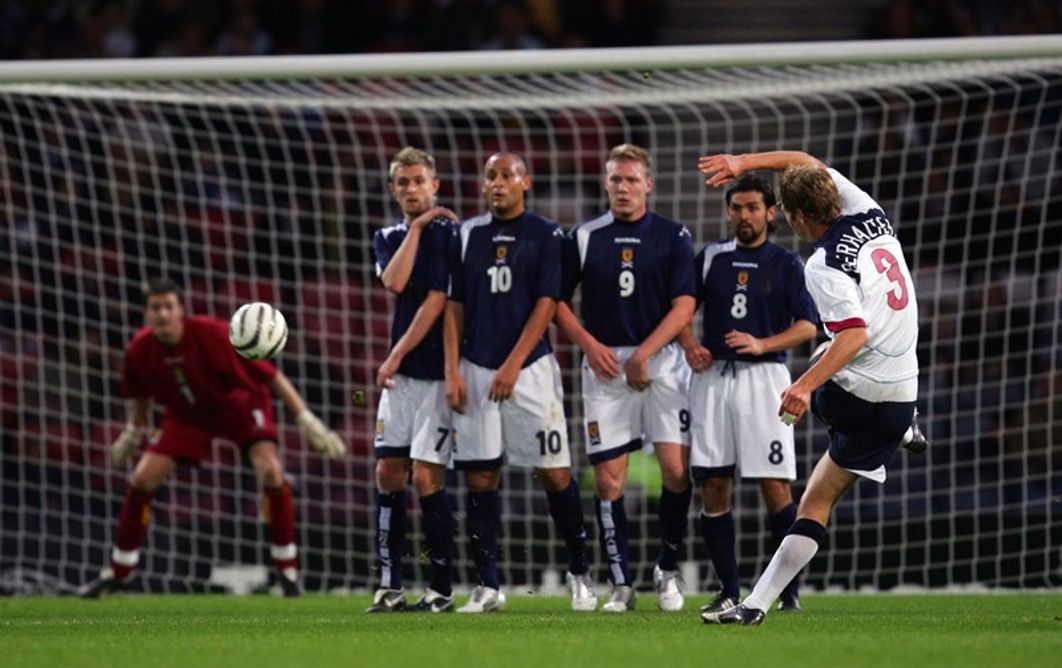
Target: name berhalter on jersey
{"x": 858, "y": 277}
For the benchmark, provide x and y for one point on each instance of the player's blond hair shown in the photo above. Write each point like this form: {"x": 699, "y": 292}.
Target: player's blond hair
{"x": 809, "y": 188}
{"x": 409, "y": 157}
{"x": 631, "y": 152}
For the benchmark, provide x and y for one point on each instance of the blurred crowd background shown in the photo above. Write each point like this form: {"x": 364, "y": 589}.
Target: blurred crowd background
{"x": 39, "y": 29}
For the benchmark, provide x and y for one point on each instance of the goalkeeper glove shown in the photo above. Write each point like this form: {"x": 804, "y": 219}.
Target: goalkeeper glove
{"x": 128, "y": 441}
{"x": 323, "y": 439}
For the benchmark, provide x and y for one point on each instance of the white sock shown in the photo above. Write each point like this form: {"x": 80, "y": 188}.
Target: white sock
{"x": 793, "y": 554}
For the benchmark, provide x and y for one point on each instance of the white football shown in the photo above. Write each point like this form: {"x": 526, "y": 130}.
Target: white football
{"x": 258, "y": 331}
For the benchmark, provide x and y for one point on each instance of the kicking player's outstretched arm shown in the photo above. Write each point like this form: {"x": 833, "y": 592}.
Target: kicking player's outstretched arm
{"x": 504, "y": 382}
{"x": 697, "y": 356}
{"x": 453, "y": 332}
{"x": 724, "y": 168}
{"x": 677, "y": 319}
{"x": 395, "y": 276}
{"x": 599, "y": 357}
{"x": 797, "y": 397}
{"x": 423, "y": 320}
{"x": 747, "y": 344}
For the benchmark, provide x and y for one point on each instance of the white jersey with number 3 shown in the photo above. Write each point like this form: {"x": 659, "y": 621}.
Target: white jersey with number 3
{"x": 858, "y": 277}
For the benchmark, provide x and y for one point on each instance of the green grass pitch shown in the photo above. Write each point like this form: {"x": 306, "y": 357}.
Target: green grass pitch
{"x": 1023, "y": 630}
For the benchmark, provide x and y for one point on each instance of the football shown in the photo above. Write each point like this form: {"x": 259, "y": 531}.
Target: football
{"x": 258, "y": 331}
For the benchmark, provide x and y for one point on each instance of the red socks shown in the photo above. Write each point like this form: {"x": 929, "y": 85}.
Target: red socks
{"x": 279, "y": 511}
{"x": 133, "y": 522}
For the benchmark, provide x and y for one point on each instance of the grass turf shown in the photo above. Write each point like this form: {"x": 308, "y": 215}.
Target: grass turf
{"x": 949, "y": 630}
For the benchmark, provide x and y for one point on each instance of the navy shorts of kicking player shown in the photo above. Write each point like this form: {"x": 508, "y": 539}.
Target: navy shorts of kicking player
{"x": 864, "y": 436}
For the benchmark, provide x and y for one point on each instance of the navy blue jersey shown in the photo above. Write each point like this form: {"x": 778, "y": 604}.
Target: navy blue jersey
{"x": 424, "y": 362}
{"x": 630, "y": 272}
{"x": 759, "y": 291}
{"x": 498, "y": 270}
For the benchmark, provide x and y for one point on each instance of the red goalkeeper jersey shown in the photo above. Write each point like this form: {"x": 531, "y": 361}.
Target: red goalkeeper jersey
{"x": 201, "y": 379}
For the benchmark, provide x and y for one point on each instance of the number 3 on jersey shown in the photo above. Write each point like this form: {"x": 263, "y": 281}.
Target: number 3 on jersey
{"x": 886, "y": 263}
{"x": 501, "y": 278}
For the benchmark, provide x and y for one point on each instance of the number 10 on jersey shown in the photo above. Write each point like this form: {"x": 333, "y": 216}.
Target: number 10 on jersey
{"x": 501, "y": 278}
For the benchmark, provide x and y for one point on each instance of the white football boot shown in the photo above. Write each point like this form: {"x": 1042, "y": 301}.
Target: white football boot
{"x": 621, "y": 599}
{"x": 670, "y": 589}
{"x": 484, "y": 599}
{"x": 582, "y": 591}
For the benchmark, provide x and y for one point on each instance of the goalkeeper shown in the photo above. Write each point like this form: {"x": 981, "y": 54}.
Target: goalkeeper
{"x": 208, "y": 391}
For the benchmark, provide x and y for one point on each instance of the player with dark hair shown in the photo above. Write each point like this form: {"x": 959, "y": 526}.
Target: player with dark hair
{"x": 207, "y": 391}
{"x": 755, "y": 307}
{"x": 865, "y": 385}
{"x": 636, "y": 272}
{"x": 502, "y": 380}
{"x": 413, "y": 420}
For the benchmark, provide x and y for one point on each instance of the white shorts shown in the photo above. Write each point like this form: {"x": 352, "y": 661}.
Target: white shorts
{"x": 413, "y": 421}
{"x": 528, "y": 428}
{"x": 618, "y": 418}
{"x": 736, "y": 424}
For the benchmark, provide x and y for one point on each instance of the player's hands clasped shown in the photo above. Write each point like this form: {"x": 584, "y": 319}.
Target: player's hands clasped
{"x": 456, "y": 392}
{"x": 721, "y": 169}
{"x": 501, "y": 388}
{"x": 602, "y": 361}
{"x": 127, "y": 442}
{"x": 637, "y": 369}
{"x": 795, "y": 402}
{"x": 321, "y": 438}
{"x": 699, "y": 358}
{"x": 744, "y": 343}
{"x": 431, "y": 214}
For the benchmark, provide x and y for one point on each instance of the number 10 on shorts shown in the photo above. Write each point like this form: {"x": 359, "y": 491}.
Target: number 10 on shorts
{"x": 549, "y": 442}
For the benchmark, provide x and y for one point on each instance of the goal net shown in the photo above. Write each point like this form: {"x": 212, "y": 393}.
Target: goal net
{"x": 265, "y": 180}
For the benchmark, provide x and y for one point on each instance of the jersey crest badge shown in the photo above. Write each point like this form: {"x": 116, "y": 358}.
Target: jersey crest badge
{"x": 743, "y": 278}
{"x": 501, "y": 252}
{"x": 627, "y": 256}
{"x": 593, "y": 432}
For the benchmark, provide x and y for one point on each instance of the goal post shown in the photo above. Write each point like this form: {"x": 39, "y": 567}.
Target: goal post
{"x": 265, "y": 178}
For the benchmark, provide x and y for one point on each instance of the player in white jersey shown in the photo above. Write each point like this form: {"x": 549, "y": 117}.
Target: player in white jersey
{"x": 865, "y": 385}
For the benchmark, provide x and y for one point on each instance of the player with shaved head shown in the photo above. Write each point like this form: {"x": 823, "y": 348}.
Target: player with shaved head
{"x": 502, "y": 380}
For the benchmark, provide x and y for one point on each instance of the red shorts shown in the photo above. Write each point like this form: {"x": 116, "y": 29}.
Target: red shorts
{"x": 189, "y": 442}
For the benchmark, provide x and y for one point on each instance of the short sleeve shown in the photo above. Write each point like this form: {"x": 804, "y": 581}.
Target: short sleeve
{"x": 548, "y": 281}
{"x": 680, "y": 266}
{"x": 456, "y": 269}
{"x": 835, "y": 294}
{"x": 571, "y": 268}
{"x": 853, "y": 198}
{"x": 798, "y": 299}
{"x": 438, "y": 250}
{"x": 382, "y": 250}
